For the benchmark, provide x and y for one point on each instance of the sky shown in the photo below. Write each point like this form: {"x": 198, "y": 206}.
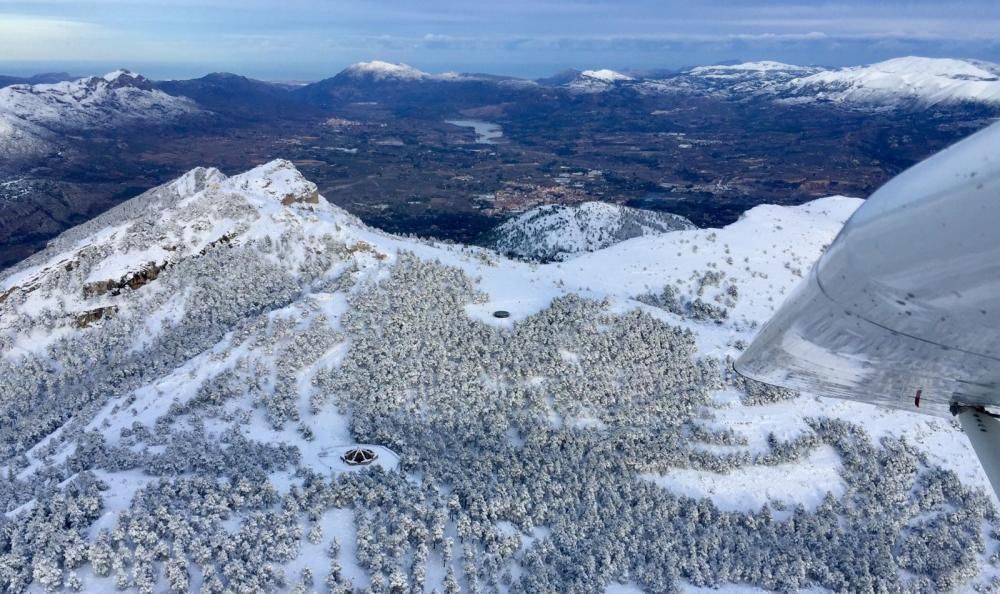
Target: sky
{"x": 309, "y": 40}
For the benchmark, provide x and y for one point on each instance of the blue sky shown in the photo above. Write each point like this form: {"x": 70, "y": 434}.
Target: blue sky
{"x": 299, "y": 39}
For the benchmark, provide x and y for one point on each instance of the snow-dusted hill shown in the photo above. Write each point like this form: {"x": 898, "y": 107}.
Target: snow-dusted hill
{"x": 180, "y": 376}
{"x": 555, "y": 232}
{"x": 901, "y": 81}
{"x": 738, "y": 80}
{"x": 379, "y": 70}
{"x": 33, "y": 116}
{"x": 597, "y": 81}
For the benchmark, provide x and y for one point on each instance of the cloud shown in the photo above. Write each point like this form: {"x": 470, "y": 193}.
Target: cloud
{"x": 528, "y": 37}
{"x": 611, "y": 41}
{"x": 25, "y": 37}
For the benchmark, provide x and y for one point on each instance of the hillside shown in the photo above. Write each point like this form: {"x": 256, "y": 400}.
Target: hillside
{"x": 180, "y": 376}
{"x": 229, "y": 94}
{"x": 556, "y": 232}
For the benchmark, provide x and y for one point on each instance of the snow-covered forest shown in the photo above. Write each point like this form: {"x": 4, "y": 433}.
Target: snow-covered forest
{"x": 180, "y": 378}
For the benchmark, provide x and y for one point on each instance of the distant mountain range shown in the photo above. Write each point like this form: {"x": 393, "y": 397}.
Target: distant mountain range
{"x": 902, "y": 82}
{"x": 36, "y": 79}
{"x": 704, "y": 142}
{"x": 910, "y": 82}
{"x": 31, "y": 113}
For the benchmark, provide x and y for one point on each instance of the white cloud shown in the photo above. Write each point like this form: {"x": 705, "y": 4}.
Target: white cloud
{"x": 30, "y": 38}
{"x": 25, "y": 37}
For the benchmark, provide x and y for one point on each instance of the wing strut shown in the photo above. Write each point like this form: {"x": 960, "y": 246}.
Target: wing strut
{"x": 983, "y": 429}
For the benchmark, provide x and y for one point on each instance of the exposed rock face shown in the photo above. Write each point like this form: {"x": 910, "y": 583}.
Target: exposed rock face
{"x": 282, "y": 181}
{"x": 307, "y": 198}
{"x": 132, "y": 280}
{"x": 87, "y": 318}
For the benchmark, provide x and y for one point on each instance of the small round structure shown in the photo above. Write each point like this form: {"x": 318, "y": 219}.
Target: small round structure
{"x": 500, "y": 313}
{"x": 358, "y": 456}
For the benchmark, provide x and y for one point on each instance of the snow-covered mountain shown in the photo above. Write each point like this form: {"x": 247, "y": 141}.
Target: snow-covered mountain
{"x": 737, "y": 80}
{"x": 597, "y": 81}
{"x": 556, "y": 232}
{"x": 910, "y": 82}
{"x": 32, "y": 116}
{"x": 402, "y": 85}
{"x": 744, "y": 68}
{"x": 379, "y": 71}
{"x": 181, "y": 376}
{"x": 920, "y": 81}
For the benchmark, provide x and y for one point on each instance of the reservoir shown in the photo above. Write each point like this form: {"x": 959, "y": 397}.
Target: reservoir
{"x": 486, "y": 132}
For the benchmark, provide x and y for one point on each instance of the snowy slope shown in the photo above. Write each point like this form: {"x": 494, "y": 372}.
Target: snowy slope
{"x": 21, "y": 138}
{"x": 200, "y": 357}
{"x": 555, "y": 232}
{"x": 32, "y": 116}
{"x": 920, "y": 81}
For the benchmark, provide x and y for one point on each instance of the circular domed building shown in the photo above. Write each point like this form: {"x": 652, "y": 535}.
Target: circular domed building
{"x": 359, "y": 456}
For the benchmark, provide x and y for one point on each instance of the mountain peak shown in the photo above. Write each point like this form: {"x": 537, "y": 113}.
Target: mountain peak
{"x": 379, "y": 70}
{"x": 119, "y": 74}
{"x": 597, "y": 81}
{"x": 120, "y": 79}
{"x": 277, "y": 180}
{"x": 606, "y": 75}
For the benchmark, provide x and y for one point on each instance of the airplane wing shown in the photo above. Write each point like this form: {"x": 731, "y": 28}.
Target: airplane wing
{"x": 903, "y": 308}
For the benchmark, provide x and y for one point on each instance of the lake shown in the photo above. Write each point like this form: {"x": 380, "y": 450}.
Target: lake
{"x": 486, "y": 132}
